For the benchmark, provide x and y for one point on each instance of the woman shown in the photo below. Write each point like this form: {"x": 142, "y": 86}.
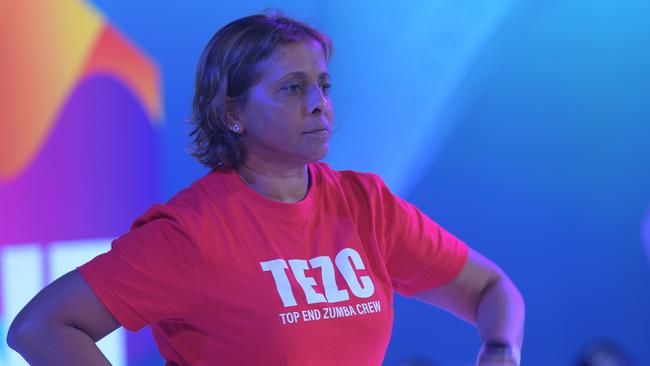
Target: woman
{"x": 272, "y": 258}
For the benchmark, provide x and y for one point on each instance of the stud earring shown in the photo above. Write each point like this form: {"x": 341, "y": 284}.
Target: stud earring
{"x": 234, "y": 128}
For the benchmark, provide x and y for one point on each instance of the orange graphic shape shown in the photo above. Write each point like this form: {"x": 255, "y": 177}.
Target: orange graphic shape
{"x": 115, "y": 55}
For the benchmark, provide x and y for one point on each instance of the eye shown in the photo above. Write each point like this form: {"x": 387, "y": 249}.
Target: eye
{"x": 293, "y": 88}
{"x": 326, "y": 87}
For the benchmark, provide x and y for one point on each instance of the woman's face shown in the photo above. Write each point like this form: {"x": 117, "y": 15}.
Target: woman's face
{"x": 287, "y": 105}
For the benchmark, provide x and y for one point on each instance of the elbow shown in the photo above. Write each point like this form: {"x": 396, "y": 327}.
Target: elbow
{"x": 514, "y": 293}
{"x": 516, "y": 297}
{"x": 513, "y": 300}
{"x": 19, "y": 334}
{"x": 502, "y": 292}
{"x": 14, "y": 335}
{"x": 522, "y": 302}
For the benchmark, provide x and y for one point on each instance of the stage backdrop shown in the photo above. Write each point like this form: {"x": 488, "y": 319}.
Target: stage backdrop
{"x": 521, "y": 127}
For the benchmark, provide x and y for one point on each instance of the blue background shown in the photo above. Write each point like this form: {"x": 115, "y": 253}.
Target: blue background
{"x": 521, "y": 127}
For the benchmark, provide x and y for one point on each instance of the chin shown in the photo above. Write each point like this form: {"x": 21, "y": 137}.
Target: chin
{"x": 323, "y": 154}
{"x": 317, "y": 156}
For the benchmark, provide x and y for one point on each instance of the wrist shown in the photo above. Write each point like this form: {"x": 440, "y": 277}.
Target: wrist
{"x": 500, "y": 351}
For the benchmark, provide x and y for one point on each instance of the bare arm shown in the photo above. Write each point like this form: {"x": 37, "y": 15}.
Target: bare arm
{"x": 484, "y": 296}
{"x": 61, "y": 324}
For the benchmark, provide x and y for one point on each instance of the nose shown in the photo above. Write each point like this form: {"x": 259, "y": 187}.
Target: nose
{"x": 318, "y": 100}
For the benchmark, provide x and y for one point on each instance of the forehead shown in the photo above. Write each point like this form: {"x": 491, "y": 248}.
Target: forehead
{"x": 305, "y": 57}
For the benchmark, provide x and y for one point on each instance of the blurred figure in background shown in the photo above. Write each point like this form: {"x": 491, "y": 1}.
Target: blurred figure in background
{"x": 603, "y": 353}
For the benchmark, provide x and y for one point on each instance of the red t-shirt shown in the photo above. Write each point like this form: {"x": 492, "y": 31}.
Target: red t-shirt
{"x": 226, "y": 276}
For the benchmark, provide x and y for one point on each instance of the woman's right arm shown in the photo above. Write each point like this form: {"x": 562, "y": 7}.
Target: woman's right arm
{"x": 61, "y": 324}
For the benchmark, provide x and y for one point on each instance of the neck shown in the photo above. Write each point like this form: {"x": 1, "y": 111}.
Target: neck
{"x": 284, "y": 184}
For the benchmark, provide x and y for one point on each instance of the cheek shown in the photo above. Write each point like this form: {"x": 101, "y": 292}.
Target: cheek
{"x": 276, "y": 126}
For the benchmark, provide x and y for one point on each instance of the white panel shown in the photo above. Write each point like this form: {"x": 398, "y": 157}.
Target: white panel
{"x": 22, "y": 278}
{"x": 64, "y": 256}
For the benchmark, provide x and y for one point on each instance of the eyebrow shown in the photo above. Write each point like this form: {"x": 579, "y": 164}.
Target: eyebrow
{"x": 302, "y": 74}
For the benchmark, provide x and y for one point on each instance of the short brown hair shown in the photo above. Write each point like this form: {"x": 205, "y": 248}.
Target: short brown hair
{"x": 227, "y": 69}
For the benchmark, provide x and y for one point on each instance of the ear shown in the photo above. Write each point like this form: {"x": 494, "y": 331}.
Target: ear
{"x": 233, "y": 112}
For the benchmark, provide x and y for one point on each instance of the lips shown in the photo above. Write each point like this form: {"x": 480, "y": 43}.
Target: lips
{"x": 318, "y": 130}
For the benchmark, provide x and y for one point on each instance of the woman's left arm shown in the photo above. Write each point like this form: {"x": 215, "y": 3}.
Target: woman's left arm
{"x": 484, "y": 296}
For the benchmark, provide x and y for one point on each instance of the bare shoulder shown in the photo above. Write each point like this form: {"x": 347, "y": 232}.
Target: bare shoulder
{"x": 67, "y": 301}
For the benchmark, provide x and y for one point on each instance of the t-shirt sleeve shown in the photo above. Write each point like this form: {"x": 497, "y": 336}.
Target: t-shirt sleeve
{"x": 419, "y": 254}
{"x": 148, "y": 274}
